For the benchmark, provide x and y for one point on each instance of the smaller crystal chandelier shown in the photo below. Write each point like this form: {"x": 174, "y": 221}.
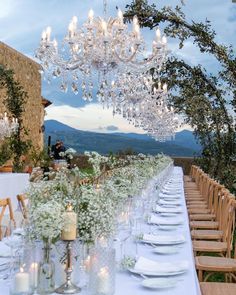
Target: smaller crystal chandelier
{"x": 145, "y": 105}
{"x": 7, "y": 126}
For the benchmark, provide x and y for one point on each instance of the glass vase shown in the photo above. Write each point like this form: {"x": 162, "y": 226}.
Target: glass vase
{"x": 102, "y": 271}
{"x": 46, "y": 279}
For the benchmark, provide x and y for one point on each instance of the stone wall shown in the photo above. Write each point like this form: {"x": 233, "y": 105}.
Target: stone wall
{"x": 27, "y": 74}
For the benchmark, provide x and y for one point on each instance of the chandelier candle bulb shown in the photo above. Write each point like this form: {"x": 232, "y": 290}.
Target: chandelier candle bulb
{"x": 164, "y": 87}
{"x": 71, "y": 30}
{"x": 43, "y": 37}
{"x": 48, "y": 33}
{"x": 164, "y": 40}
{"x": 158, "y": 35}
{"x": 137, "y": 31}
{"x": 104, "y": 28}
{"x": 69, "y": 230}
{"x": 21, "y": 282}
{"x": 120, "y": 16}
{"x": 90, "y": 15}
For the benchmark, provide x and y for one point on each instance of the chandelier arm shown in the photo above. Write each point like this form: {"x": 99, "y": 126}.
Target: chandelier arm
{"x": 58, "y": 61}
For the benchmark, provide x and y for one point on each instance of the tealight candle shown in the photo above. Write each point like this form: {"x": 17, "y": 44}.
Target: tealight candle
{"x": 103, "y": 285}
{"x": 69, "y": 230}
{"x": 34, "y": 274}
{"x": 21, "y": 282}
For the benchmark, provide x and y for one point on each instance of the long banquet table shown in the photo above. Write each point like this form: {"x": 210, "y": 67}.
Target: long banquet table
{"x": 126, "y": 283}
{"x": 188, "y": 282}
{"x": 12, "y": 184}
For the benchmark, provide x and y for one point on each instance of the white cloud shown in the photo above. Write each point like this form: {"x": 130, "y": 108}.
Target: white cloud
{"x": 92, "y": 117}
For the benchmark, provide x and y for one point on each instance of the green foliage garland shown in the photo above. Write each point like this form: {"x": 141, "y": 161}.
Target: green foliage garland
{"x": 14, "y": 102}
{"x": 205, "y": 99}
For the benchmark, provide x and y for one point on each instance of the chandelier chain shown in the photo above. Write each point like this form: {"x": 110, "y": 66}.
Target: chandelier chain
{"x": 105, "y": 8}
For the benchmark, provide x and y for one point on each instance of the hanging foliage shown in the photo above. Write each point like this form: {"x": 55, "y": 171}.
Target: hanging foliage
{"x": 208, "y": 101}
{"x": 14, "y": 102}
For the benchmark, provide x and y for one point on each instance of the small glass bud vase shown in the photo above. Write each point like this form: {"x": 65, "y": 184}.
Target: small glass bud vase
{"x": 102, "y": 271}
{"x": 46, "y": 273}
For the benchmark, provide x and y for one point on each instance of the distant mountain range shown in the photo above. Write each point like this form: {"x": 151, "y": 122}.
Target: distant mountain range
{"x": 184, "y": 144}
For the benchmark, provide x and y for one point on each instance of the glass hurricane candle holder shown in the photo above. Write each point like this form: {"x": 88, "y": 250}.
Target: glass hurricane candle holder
{"x": 102, "y": 272}
{"x": 20, "y": 284}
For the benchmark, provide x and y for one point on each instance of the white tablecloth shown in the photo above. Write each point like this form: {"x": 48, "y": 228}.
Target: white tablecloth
{"x": 12, "y": 184}
{"x": 188, "y": 284}
{"x": 128, "y": 285}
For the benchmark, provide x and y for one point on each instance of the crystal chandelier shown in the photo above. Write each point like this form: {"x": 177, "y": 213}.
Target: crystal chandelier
{"x": 145, "y": 106}
{"x": 160, "y": 120}
{"x": 7, "y": 127}
{"x": 102, "y": 47}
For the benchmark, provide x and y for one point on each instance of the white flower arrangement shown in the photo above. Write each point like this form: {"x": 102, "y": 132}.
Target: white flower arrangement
{"x": 96, "y": 160}
{"x": 96, "y": 208}
{"x": 46, "y": 221}
{"x": 68, "y": 154}
{"x": 96, "y": 214}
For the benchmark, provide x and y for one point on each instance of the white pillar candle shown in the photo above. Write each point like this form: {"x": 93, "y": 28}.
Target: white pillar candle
{"x": 21, "y": 282}
{"x": 69, "y": 231}
{"x": 103, "y": 285}
{"x": 34, "y": 274}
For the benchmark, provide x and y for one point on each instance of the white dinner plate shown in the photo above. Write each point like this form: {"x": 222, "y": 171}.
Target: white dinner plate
{"x": 165, "y": 250}
{"x": 168, "y": 214}
{"x": 172, "y": 203}
{"x": 159, "y": 283}
{"x": 160, "y": 209}
{"x": 157, "y": 273}
{"x": 167, "y": 227}
{"x": 157, "y": 220}
{"x": 164, "y": 239}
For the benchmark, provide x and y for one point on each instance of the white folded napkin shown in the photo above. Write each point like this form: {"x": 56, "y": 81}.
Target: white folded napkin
{"x": 168, "y": 210}
{"x": 171, "y": 191}
{"x": 163, "y": 221}
{"x": 148, "y": 265}
{"x": 169, "y": 202}
{"x": 5, "y": 251}
{"x": 174, "y": 196}
{"x": 163, "y": 238}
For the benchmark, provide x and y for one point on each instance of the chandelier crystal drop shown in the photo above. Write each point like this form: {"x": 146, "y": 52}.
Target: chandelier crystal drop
{"x": 102, "y": 47}
{"x": 7, "y": 126}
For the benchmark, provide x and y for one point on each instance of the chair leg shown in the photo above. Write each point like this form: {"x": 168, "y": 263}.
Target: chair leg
{"x": 200, "y": 275}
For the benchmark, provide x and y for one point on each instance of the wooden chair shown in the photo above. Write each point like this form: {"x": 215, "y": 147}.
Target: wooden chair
{"x": 218, "y": 289}
{"x": 220, "y": 264}
{"x": 227, "y": 220}
{"x": 4, "y": 204}
{"x": 22, "y": 205}
{"x": 218, "y": 199}
{"x": 216, "y": 207}
{"x": 202, "y": 197}
{"x": 209, "y": 212}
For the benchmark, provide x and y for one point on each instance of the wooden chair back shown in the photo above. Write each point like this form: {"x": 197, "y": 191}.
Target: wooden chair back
{"x": 22, "y": 205}
{"x": 210, "y": 194}
{"x": 193, "y": 172}
{"x": 217, "y": 198}
{"x": 4, "y": 204}
{"x": 228, "y": 221}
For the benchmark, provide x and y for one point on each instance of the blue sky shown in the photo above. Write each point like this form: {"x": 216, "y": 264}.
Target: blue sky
{"x": 22, "y": 21}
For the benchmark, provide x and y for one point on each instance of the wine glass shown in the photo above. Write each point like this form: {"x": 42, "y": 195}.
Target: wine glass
{"x": 15, "y": 243}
